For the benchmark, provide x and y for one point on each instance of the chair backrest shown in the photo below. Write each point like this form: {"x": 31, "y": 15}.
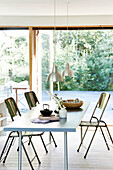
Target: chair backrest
{"x": 31, "y": 98}
{"x": 101, "y": 104}
{"x": 12, "y": 107}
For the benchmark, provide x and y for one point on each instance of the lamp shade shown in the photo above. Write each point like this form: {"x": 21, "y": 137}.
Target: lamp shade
{"x": 67, "y": 71}
{"x": 54, "y": 75}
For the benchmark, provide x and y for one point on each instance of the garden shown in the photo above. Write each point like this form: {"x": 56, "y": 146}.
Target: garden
{"x": 90, "y": 55}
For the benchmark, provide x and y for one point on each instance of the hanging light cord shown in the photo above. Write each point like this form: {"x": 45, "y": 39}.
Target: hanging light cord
{"x": 54, "y": 33}
{"x": 67, "y": 34}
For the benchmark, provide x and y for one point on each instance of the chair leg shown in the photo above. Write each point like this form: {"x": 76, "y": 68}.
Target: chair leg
{"x": 29, "y": 140}
{"x": 35, "y": 152}
{"x": 4, "y": 148}
{"x": 53, "y": 139}
{"x": 44, "y": 144}
{"x": 90, "y": 142}
{"x": 109, "y": 134}
{"x": 82, "y": 139}
{"x": 27, "y": 156}
{"x": 8, "y": 150}
{"x": 81, "y": 133}
{"x": 18, "y": 146}
{"x": 104, "y": 138}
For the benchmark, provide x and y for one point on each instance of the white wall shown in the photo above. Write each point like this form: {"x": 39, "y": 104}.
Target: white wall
{"x": 60, "y": 20}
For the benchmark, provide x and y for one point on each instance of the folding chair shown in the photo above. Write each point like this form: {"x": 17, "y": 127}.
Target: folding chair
{"x": 32, "y": 101}
{"x": 31, "y": 98}
{"x": 98, "y": 123}
{"x": 13, "y": 110}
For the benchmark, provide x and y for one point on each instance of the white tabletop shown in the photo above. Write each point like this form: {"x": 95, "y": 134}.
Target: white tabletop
{"x": 23, "y": 123}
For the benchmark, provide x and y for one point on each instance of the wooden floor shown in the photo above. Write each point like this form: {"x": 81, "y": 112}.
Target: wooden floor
{"x": 99, "y": 158}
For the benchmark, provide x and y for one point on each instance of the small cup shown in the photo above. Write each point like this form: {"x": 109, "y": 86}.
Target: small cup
{"x": 63, "y": 113}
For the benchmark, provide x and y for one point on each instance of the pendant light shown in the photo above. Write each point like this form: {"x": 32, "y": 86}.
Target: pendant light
{"x": 54, "y": 76}
{"x": 67, "y": 71}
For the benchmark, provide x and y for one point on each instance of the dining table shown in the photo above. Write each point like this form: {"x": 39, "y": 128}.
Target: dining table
{"x": 65, "y": 125}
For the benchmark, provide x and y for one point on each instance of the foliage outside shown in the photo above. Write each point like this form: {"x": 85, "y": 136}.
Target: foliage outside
{"x": 90, "y": 55}
{"x": 14, "y": 57}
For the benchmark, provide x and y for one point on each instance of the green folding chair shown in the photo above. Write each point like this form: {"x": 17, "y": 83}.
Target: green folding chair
{"x": 32, "y": 101}
{"x": 14, "y": 111}
{"x": 31, "y": 98}
{"x": 98, "y": 123}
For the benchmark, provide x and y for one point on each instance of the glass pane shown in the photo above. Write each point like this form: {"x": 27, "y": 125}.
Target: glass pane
{"x": 14, "y": 61}
{"x": 90, "y": 55}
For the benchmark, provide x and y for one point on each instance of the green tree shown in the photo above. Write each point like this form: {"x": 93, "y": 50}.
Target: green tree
{"x": 14, "y": 56}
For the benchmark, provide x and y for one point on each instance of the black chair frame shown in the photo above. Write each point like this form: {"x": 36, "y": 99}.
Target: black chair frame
{"x": 99, "y": 123}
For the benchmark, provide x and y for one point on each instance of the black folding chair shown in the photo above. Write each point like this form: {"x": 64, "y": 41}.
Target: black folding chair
{"x": 32, "y": 101}
{"x": 13, "y": 110}
{"x": 98, "y": 123}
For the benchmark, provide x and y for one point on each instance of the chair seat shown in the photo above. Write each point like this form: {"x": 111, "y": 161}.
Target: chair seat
{"x": 92, "y": 124}
{"x": 26, "y": 134}
{"x": 32, "y": 133}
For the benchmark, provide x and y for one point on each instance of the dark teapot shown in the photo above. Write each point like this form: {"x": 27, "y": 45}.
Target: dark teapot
{"x": 46, "y": 111}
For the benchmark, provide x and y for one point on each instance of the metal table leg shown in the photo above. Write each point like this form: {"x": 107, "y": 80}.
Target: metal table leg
{"x": 20, "y": 152}
{"x": 65, "y": 152}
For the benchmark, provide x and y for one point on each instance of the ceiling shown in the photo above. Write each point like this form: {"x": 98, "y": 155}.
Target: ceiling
{"x": 46, "y": 7}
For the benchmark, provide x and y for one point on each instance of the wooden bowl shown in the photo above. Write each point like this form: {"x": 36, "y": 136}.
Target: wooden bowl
{"x": 71, "y": 104}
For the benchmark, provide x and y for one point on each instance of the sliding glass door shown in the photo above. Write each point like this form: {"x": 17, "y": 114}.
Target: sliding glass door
{"x": 14, "y": 61}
